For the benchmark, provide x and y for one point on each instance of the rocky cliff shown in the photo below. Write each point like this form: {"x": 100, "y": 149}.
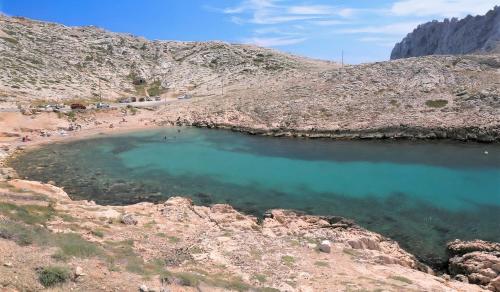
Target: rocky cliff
{"x": 479, "y": 34}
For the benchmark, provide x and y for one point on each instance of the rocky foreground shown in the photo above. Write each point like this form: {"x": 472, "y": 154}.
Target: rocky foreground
{"x": 177, "y": 246}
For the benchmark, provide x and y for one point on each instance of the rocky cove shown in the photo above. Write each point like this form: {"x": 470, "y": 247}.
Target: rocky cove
{"x": 104, "y": 212}
{"x": 372, "y": 250}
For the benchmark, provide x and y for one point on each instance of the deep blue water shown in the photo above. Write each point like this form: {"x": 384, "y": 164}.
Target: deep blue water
{"x": 421, "y": 194}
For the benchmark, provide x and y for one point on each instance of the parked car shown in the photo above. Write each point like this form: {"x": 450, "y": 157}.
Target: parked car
{"x": 57, "y": 108}
{"x": 102, "y": 105}
{"x": 77, "y": 106}
{"x": 185, "y": 96}
{"x": 142, "y": 99}
{"x": 125, "y": 100}
{"x": 157, "y": 98}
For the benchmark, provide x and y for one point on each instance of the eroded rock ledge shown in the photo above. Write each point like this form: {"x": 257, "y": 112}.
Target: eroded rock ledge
{"x": 477, "y": 134}
{"x": 476, "y": 262}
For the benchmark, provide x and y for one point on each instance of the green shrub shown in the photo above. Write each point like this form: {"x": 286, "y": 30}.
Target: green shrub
{"x": 173, "y": 239}
{"x": 437, "y": 103}
{"x": 71, "y": 116}
{"x": 24, "y": 234}
{"x": 261, "y": 278}
{"x": 288, "y": 260}
{"x": 60, "y": 256}
{"x": 29, "y": 214}
{"x": 321, "y": 264}
{"x": 401, "y": 279}
{"x": 50, "y": 276}
{"x": 155, "y": 89}
{"x": 72, "y": 244}
{"x": 10, "y": 40}
{"x": 98, "y": 233}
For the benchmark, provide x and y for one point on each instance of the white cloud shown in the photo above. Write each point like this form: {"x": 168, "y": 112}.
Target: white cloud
{"x": 311, "y": 10}
{"x": 347, "y": 12}
{"x": 269, "y": 18}
{"x": 273, "y": 41}
{"x": 276, "y": 31}
{"x": 391, "y": 29}
{"x": 278, "y": 11}
{"x": 442, "y": 8}
{"x": 380, "y": 41}
{"x": 329, "y": 22}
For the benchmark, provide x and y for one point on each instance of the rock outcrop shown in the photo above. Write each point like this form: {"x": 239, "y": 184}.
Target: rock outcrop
{"x": 476, "y": 262}
{"x": 479, "y": 34}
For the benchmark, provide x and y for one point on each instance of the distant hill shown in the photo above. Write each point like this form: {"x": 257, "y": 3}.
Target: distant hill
{"x": 479, "y": 34}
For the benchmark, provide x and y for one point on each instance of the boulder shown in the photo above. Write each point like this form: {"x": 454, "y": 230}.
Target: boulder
{"x": 478, "y": 261}
{"x": 129, "y": 219}
{"x": 109, "y": 214}
{"x": 459, "y": 247}
{"x": 325, "y": 246}
{"x": 495, "y": 284}
{"x": 79, "y": 272}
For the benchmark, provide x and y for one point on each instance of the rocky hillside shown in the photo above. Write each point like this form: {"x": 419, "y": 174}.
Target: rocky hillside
{"x": 477, "y": 34}
{"x": 426, "y": 97}
{"x": 43, "y": 60}
{"x": 265, "y": 91}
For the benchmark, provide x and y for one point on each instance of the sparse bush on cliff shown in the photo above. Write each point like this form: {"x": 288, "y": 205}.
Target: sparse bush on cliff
{"x": 29, "y": 214}
{"x": 53, "y": 275}
{"x": 438, "y": 103}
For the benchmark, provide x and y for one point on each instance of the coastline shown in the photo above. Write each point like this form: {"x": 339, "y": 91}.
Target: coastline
{"x": 465, "y": 134}
{"x": 403, "y": 258}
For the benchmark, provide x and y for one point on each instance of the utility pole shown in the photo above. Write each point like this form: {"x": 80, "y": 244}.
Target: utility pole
{"x": 222, "y": 85}
{"x": 167, "y": 87}
{"x": 100, "y": 92}
{"x": 342, "y": 58}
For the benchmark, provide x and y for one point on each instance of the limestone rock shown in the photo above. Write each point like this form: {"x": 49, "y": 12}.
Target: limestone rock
{"x": 469, "y": 35}
{"x": 495, "y": 284}
{"x": 459, "y": 247}
{"x": 79, "y": 272}
{"x": 325, "y": 246}
{"x": 109, "y": 214}
{"x": 129, "y": 219}
{"x": 477, "y": 260}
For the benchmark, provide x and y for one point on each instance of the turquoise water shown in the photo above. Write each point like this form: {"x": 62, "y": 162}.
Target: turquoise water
{"x": 421, "y": 194}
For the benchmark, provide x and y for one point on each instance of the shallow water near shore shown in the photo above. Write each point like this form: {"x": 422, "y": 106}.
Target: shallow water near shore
{"x": 421, "y": 194}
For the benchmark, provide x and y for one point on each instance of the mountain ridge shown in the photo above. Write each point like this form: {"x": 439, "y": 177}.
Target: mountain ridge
{"x": 472, "y": 34}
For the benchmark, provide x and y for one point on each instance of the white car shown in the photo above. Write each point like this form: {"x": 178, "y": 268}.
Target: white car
{"x": 185, "y": 96}
{"x": 102, "y": 105}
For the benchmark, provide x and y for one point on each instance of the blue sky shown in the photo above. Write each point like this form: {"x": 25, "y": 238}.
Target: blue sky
{"x": 365, "y": 29}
